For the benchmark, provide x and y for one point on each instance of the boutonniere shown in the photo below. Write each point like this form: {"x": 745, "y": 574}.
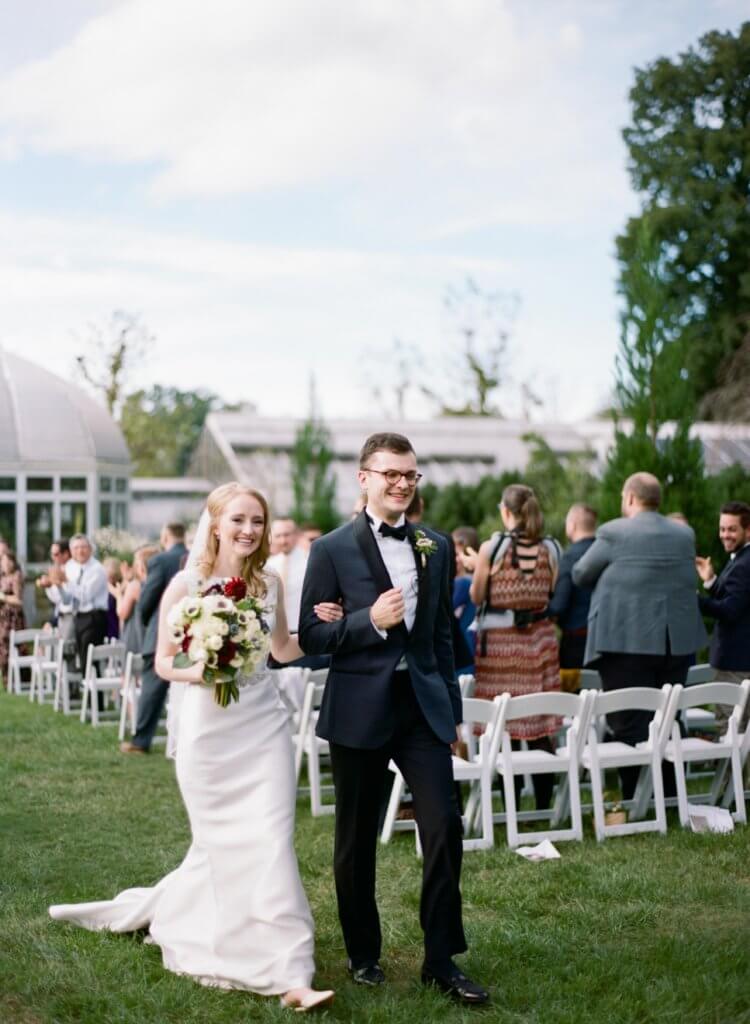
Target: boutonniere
{"x": 424, "y": 546}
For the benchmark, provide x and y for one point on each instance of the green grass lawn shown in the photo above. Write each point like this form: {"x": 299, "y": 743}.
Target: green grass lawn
{"x": 638, "y": 929}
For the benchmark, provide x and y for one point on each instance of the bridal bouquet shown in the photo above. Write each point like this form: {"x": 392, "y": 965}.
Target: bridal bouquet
{"x": 224, "y": 628}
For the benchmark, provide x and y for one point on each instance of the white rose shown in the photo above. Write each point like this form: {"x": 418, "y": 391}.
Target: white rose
{"x": 237, "y": 662}
{"x": 214, "y": 643}
{"x": 197, "y": 651}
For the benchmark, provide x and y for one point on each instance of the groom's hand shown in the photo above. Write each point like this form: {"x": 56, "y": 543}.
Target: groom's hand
{"x": 389, "y": 609}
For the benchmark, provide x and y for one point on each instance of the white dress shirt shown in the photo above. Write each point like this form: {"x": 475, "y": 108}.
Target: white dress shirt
{"x": 291, "y": 569}
{"x": 398, "y": 556}
{"x": 86, "y": 586}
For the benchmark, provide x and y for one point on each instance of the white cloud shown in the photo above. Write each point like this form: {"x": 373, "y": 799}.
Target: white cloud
{"x": 232, "y": 97}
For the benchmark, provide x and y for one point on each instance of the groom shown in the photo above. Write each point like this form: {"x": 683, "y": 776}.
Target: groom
{"x": 391, "y": 693}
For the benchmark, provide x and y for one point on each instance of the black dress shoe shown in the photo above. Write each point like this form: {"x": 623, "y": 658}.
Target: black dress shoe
{"x": 453, "y": 981}
{"x": 368, "y": 974}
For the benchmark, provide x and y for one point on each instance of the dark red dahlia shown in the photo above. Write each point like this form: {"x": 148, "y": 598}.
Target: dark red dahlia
{"x": 235, "y": 589}
{"x": 185, "y": 642}
{"x": 227, "y": 652}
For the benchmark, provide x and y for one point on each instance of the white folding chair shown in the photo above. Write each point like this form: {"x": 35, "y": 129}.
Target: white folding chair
{"x": 477, "y": 770}
{"x": 299, "y": 720}
{"x": 314, "y": 748}
{"x": 16, "y": 661}
{"x": 565, "y": 761}
{"x": 105, "y": 665}
{"x": 682, "y": 751}
{"x": 46, "y": 665}
{"x": 466, "y": 684}
{"x": 130, "y": 691}
{"x": 600, "y": 755}
{"x": 699, "y": 719}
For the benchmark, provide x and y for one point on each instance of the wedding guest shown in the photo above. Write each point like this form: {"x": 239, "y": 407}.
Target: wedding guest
{"x": 308, "y": 532}
{"x": 570, "y": 603}
{"x": 466, "y": 541}
{"x": 160, "y": 570}
{"x": 11, "y": 604}
{"x": 62, "y": 615}
{"x": 132, "y": 634}
{"x": 290, "y": 562}
{"x": 727, "y": 600}
{"x": 516, "y": 652}
{"x": 114, "y": 588}
{"x": 644, "y": 622}
{"x": 82, "y": 584}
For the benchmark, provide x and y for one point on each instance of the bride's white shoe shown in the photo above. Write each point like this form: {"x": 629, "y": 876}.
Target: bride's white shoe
{"x": 303, "y": 999}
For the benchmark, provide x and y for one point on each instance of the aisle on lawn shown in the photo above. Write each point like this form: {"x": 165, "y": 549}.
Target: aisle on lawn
{"x": 642, "y": 929}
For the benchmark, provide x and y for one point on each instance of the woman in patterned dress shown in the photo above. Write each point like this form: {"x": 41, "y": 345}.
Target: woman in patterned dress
{"x": 11, "y": 605}
{"x": 517, "y": 652}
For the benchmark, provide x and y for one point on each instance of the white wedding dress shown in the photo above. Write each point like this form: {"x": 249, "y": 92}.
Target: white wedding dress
{"x": 234, "y": 913}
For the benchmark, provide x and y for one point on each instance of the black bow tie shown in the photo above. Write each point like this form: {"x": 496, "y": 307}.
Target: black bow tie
{"x": 397, "y": 532}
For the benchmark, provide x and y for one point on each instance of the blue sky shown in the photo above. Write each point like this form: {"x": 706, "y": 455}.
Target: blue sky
{"x": 284, "y": 188}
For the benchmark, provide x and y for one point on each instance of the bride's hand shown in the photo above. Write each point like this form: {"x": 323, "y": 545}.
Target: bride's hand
{"x": 327, "y": 611}
{"x": 194, "y": 674}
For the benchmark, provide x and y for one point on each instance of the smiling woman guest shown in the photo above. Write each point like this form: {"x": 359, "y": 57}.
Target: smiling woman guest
{"x": 11, "y": 604}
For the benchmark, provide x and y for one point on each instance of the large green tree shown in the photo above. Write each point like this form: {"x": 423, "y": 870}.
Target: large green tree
{"x": 689, "y": 147}
{"x": 162, "y": 426}
{"x": 312, "y": 476}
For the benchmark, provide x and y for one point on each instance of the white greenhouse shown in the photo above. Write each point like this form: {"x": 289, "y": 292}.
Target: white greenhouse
{"x": 64, "y": 464}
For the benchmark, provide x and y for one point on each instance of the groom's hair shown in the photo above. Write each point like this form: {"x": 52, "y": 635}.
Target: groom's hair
{"x": 384, "y": 442}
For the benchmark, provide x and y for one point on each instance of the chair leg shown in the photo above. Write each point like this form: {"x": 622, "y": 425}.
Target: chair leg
{"x": 94, "y": 705}
{"x": 397, "y": 791}
{"x": 576, "y": 819}
{"x": 740, "y": 814}
{"x": 660, "y": 809}
{"x": 597, "y": 794}
{"x": 84, "y": 699}
{"x": 682, "y": 800}
{"x": 509, "y": 792}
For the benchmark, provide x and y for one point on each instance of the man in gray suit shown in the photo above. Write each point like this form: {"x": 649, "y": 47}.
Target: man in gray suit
{"x": 160, "y": 570}
{"x": 644, "y": 623}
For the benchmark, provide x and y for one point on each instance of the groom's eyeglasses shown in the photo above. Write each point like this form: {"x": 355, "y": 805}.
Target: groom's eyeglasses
{"x": 392, "y": 476}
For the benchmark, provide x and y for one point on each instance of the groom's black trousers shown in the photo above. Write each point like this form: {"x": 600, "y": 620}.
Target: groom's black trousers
{"x": 359, "y": 777}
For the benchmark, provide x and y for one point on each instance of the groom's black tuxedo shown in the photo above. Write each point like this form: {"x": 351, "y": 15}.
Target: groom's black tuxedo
{"x": 373, "y": 710}
{"x": 357, "y": 708}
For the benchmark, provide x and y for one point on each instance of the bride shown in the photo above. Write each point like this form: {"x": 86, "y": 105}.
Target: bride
{"x": 234, "y": 913}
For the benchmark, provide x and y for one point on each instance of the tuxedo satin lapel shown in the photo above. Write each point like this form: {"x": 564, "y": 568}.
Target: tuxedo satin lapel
{"x": 422, "y": 576}
{"x": 369, "y": 548}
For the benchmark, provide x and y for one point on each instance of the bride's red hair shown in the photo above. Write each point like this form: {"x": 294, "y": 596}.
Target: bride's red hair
{"x": 252, "y": 566}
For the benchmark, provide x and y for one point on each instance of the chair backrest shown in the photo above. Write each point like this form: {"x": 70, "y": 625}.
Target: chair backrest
{"x": 490, "y": 714}
{"x": 108, "y": 659}
{"x": 576, "y": 707}
{"x": 45, "y": 642}
{"x": 318, "y": 676}
{"x": 22, "y": 636}
{"x": 735, "y": 694}
{"x": 662, "y": 702}
{"x": 703, "y": 673}
{"x": 466, "y": 684}
{"x": 644, "y": 698}
{"x": 553, "y": 702}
